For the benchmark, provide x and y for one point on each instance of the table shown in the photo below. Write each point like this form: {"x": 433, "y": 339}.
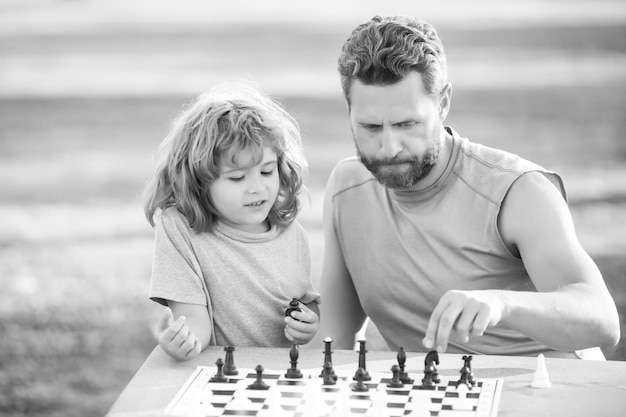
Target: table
{"x": 579, "y": 388}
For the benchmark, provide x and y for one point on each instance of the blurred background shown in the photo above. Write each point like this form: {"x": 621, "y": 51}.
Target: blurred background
{"x": 88, "y": 89}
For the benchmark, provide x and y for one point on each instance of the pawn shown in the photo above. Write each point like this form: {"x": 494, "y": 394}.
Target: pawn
{"x": 219, "y": 375}
{"x": 293, "y": 371}
{"x": 541, "y": 378}
{"x": 259, "y": 384}
{"x": 395, "y": 379}
{"x": 360, "y": 386}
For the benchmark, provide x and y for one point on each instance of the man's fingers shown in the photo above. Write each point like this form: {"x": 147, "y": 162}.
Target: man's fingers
{"x": 433, "y": 324}
{"x": 465, "y": 322}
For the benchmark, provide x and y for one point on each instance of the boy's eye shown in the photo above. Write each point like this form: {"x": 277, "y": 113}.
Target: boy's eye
{"x": 236, "y": 179}
{"x": 267, "y": 173}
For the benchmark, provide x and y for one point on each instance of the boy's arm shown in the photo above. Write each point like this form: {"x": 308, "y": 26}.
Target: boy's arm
{"x": 197, "y": 318}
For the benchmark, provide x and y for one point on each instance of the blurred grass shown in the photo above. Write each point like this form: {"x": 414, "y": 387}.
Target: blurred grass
{"x": 75, "y": 251}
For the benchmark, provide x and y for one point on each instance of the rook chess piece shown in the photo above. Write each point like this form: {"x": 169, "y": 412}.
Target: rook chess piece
{"x": 293, "y": 371}
{"x": 219, "y": 375}
{"x": 404, "y": 376}
{"x": 467, "y": 377}
{"x": 259, "y": 384}
{"x": 362, "y": 351}
{"x": 229, "y": 366}
{"x": 395, "y": 379}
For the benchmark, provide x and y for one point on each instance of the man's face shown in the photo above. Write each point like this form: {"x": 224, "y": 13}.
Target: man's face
{"x": 397, "y": 129}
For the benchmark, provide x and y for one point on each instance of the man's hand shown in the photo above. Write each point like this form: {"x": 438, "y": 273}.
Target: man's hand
{"x": 176, "y": 339}
{"x": 301, "y": 326}
{"x": 469, "y": 313}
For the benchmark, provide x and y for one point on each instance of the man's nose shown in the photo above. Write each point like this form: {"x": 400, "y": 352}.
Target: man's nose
{"x": 390, "y": 143}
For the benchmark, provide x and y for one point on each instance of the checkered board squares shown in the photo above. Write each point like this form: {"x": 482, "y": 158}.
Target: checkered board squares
{"x": 200, "y": 397}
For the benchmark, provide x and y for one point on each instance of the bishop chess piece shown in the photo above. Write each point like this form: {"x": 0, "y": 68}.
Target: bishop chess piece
{"x": 362, "y": 351}
{"x": 404, "y": 376}
{"x": 219, "y": 375}
{"x": 293, "y": 371}
{"x": 259, "y": 384}
{"x": 229, "y": 365}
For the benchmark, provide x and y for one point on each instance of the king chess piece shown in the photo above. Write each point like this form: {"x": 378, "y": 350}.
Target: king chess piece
{"x": 362, "y": 363}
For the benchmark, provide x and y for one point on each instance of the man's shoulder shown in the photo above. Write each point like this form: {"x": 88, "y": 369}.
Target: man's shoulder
{"x": 349, "y": 173}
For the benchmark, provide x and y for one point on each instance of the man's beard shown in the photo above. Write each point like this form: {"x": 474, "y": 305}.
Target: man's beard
{"x": 402, "y": 179}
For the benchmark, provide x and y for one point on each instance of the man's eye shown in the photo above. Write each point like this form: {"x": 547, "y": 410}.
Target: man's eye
{"x": 406, "y": 125}
{"x": 371, "y": 127}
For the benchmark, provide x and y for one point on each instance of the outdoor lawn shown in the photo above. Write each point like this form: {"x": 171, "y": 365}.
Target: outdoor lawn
{"x": 87, "y": 92}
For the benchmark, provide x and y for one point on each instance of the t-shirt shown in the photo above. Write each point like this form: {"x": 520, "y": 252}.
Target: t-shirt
{"x": 408, "y": 248}
{"x": 246, "y": 280}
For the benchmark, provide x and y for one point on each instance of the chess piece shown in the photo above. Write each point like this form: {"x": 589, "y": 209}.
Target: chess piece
{"x": 360, "y": 386}
{"x": 467, "y": 377}
{"x": 229, "y": 365}
{"x": 259, "y": 384}
{"x": 541, "y": 378}
{"x": 294, "y": 305}
{"x": 219, "y": 375}
{"x": 328, "y": 374}
{"x": 328, "y": 358}
{"x": 395, "y": 379}
{"x": 431, "y": 376}
{"x": 404, "y": 376}
{"x": 362, "y": 351}
{"x": 293, "y": 371}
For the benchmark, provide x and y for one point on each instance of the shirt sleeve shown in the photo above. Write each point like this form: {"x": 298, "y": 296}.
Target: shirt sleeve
{"x": 176, "y": 272}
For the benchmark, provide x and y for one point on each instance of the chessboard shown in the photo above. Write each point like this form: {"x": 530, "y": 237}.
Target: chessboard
{"x": 308, "y": 396}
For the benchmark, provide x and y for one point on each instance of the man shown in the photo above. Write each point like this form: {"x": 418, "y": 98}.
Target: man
{"x": 446, "y": 244}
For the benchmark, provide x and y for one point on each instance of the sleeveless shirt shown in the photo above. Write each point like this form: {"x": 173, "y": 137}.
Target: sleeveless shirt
{"x": 404, "y": 250}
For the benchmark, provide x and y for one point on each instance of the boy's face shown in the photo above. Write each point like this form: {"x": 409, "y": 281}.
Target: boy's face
{"x": 244, "y": 193}
{"x": 397, "y": 129}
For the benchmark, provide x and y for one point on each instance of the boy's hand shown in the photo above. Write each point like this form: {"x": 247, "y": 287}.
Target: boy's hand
{"x": 176, "y": 339}
{"x": 301, "y": 326}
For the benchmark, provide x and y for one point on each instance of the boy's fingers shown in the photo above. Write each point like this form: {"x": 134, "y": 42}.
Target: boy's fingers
{"x": 164, "y": 321}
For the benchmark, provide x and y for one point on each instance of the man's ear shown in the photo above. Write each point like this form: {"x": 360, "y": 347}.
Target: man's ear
{"x": 445, "y": 98}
